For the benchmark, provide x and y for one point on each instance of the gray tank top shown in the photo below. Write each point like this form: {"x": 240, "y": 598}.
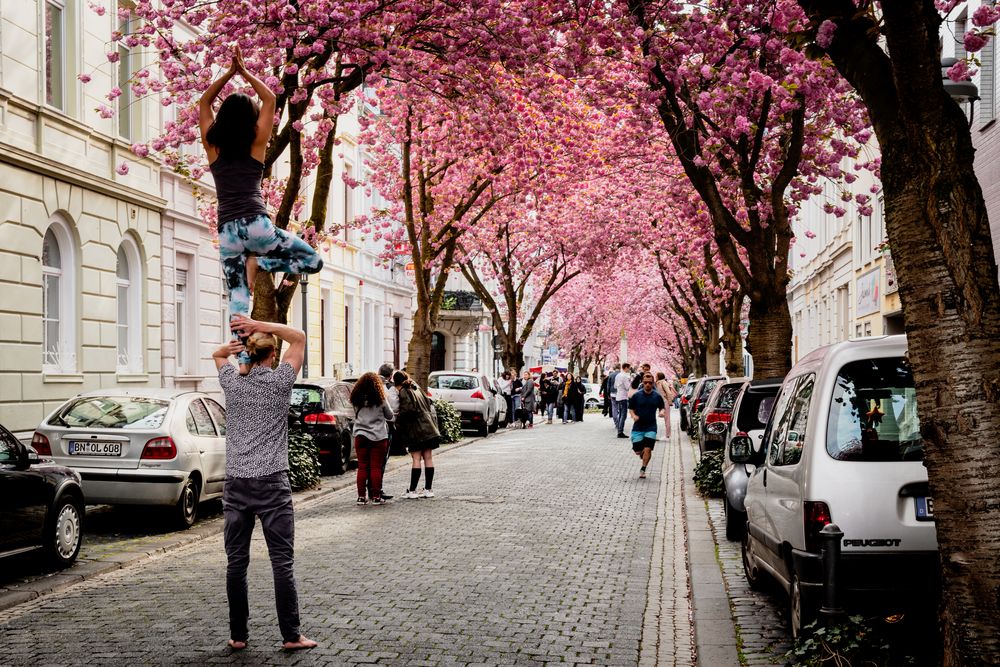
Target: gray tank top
{"x": 237, "y": 186}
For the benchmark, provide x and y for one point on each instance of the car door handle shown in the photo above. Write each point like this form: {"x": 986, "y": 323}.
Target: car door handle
{"x": 765, "y": 476}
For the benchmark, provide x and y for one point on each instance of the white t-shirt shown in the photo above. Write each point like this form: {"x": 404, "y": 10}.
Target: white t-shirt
{"x": 623, "y": 382}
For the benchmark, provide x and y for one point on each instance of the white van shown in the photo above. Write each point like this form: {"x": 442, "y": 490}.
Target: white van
{"x": 843, "y": 445}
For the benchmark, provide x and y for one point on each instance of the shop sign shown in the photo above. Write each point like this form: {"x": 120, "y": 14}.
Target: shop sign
{"x": 868, "y": 300}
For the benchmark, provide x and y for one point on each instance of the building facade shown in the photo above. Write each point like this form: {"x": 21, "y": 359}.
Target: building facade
{"x": 80, "y": 246}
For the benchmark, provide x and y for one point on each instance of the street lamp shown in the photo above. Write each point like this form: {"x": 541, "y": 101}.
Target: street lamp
{"x": 960, "y": 91}
{"x": 304, "y": 281}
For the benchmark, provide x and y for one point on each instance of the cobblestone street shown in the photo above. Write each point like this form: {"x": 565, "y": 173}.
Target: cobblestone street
{"x": 538, "y": 549}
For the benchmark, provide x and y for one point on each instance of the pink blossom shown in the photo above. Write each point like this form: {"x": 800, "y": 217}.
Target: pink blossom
{"x": 824, "y": 36}
{"x": 114, "y": 93}
{"x": 974, "y": 41}
{"x": 810, "y": 234}
{"x": 985, "y": 15}
{"x": 960, "y": 71}
{"x": 113, "y": 56}
{"x": 104, "y": 111}
{"x": 83, "y": 78}
{"x": 96, "y": 8}
{"x": 122, "y": 169}
{"x": 140, "y": 150}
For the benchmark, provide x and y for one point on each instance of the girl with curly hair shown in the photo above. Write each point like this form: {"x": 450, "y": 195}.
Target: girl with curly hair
{"x": 372, "y": 415}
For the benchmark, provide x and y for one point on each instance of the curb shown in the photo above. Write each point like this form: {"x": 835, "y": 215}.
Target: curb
{"x": 46, "y": 584}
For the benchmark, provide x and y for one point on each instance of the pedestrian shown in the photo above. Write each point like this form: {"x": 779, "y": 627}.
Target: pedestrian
{"x": 392, "y": 397}
{"x": 504, "y": 383}
{"x": 417, "y": 430}
{"x": 605, "y": 396}
{"x": 571, "y": 391}
{"x": 256, "y": 483}
{"x": 515, "y": 394}
{"x": 666, "y": 390}
{"x": 644, "y": 405}
{"x": 235, "y": 142}
{"x": 637, "y": 379}
{"x": 623, "y": 384}
{"x": 372, "y": 415}
{"x": 550, "y": 394}
{"x": 579, "y": 399}
{"x": 527, "y": 401}
{"x": 612, "y": 376}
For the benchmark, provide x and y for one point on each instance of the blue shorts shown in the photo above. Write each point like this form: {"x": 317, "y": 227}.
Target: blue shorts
{"x": 643, "y": 440}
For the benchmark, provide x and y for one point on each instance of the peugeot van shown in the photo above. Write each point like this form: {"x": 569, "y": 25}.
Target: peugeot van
{"x": 843, "y": 446}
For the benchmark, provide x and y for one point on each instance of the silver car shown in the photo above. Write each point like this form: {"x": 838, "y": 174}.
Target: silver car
{"x": 501, "y": 414}
{"x": 162, "y": 447}
{"x": 471, "y": 395}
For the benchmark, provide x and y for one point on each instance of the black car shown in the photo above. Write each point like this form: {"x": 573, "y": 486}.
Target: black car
{"x": 684, "y": 398}
{"x": 697, "y": 398}
{"x": 41, "y": 504}
{"x": 717, "y": 413}
{"x": 322, "y": 408}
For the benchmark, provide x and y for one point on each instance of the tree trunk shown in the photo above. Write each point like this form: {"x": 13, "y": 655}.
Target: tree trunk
{"x": 712, "y": 364}
{"x": 513, "y": 354}
{"x": 769, "y": 338}
{"x": 418, "y": 362}
{"x": 731, "y": 338}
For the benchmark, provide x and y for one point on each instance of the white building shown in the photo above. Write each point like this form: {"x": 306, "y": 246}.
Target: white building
{"x": 79, "y": 239}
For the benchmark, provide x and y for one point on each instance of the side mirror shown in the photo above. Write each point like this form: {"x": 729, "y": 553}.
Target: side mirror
{"x": 24, "y": 457}
{"x": 740, "y": 448}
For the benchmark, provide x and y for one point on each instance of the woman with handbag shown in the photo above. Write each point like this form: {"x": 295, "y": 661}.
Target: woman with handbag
{"x": 416, "y": 429}
{"x": 372, "y": 415}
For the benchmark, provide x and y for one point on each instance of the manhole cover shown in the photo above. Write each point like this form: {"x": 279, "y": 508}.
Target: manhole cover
{"x": 479, "y": 499}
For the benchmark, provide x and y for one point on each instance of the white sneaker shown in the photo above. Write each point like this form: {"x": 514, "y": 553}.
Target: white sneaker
{"x": 426, "y": 493}
{"x": 410, "y": 495}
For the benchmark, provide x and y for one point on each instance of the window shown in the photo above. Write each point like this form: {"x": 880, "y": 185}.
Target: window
{"x": 395, "y": 341}
{"x": 791, "y": 448}
{"x": 778, "y": 427}
{"x": 129, "y": 308}
{"x": 128, "y": 64}
{"x": 199, "y": 422}
{"x": 58, "y": 303}
{"x": 9, "y": 447}
{"x": 55, "y": 54}
{"x": 348, "y": 200}
{"x": 130, "y": 413}
{"x": 184, "y": 309}
{"x": 873, "y": 413}
{"x": 461, "y": 382}
{"x": 218, "y": 415}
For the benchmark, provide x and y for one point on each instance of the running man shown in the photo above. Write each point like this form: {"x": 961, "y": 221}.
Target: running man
{"x": 644, "y": 406}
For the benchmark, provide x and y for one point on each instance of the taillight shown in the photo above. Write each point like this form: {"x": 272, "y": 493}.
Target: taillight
{"x": 713, "y": 417}
{"x": 41, "y": 444}
{"x": 684, "y": 400}
{"x": 815, "y": 515}
{"x": 159, "y": 449}
{"x": 320, "y": 418}
{"x": 697, "y": 402}
{"x": 478, "y": 394}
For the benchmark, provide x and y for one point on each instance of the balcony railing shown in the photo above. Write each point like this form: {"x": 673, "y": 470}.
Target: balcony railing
{"x": 461, "y": 300}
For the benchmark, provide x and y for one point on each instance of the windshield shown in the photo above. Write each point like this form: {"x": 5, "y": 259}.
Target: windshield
{"x": 873, "y": 414}
{"x": 124, "y": 412}
{"x": 463, "y": 382}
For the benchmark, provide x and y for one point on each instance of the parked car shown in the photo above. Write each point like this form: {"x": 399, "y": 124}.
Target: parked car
{"x": 843, "y": 446}
{"x": 697, "y": 398}
{"x": 746, "y": 429}
{"x": 471, "y": 395}
{"x": 501, "y": 403}
{"x": 685, "y": 402}
{"x": 592, "y": 398}
{"x": 717, "y": 413}
{"x": 41, "y": 504}
{"x": 163, "y": 447}
{"x": 321, "y": 407}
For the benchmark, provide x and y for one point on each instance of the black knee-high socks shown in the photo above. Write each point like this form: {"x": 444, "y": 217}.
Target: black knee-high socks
{"x": 429, "y": 477}
{"x": 414, "y": 478}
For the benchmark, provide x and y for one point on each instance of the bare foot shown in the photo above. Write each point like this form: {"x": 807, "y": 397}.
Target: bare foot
{"x": 237, "y": 645}
{"x": 301, "y": 643}
{"x": 251, "y": 272}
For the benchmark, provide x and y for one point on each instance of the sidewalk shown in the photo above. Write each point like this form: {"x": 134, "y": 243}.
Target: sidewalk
{"x": 95, "y": 560}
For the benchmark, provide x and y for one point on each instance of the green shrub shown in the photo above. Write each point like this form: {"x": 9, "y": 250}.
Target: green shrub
{"x": 449, "y": 421}
{"x": 853, "y": 642}
{"x": 708, "y": 474}
{"x": 695, "y": 426}
{"x": 303, "y": 461}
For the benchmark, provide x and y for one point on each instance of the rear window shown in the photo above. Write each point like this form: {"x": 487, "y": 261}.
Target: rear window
{"x": 755, "y": 409}
{"x": 306, "y": 395}
{"x": 873, "y": 414}
{"x": 707, "y": 388}
{"x": 126, "y": 413}
{"x": 462, "y": 382}
{"x": 727, "y": 397}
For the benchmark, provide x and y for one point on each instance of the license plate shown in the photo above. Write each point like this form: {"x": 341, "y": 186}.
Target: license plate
{"x": 94, "y": 448}
{"x": 925, "y": 508}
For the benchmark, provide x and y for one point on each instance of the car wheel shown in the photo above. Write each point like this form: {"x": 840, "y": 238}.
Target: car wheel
{"x": 495, "y": 425}
{"x": 64, "y": 532}
{"x": 753, "y": 574}
{"x": 186, "y": 510}
{"x": 736, "y": 522}
{"x": 345, "y": 455}
{"x": 483, "y": 430}
{"x": 800, "y": 614}
{"x": 684, "y": 422}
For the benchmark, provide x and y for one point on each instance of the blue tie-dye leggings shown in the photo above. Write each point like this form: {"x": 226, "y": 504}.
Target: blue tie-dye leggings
{"x": 275, "y": 249}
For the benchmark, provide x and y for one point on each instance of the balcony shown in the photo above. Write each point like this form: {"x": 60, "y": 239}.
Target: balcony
{"x": 461, "y": 313}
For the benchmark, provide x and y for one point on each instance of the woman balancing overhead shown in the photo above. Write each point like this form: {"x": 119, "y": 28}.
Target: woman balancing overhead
{"x": 235, "y": 141}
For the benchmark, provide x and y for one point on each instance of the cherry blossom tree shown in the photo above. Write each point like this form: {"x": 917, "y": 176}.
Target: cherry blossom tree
{"x": 939, "y": 234}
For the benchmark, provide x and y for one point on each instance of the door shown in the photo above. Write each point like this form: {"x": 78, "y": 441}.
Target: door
{"x": 216, "y": 463}
{"x": 23, "y": 499}
{"x": 203, "y": 437}
{"x": 437, "y": 352}
{"x": 784, "y": 491}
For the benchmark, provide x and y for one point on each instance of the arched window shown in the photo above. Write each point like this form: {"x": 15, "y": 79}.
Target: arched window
{"x": 129, "y": 278}
{"x": 58, "y": 303}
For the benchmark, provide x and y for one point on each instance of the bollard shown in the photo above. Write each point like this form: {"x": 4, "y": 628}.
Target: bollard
{"x": 831, "y": 610}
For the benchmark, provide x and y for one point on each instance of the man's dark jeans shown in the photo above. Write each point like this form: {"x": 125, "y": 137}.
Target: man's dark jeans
{"x": 621, "y": 415}
{"x": 269, "y": 498}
